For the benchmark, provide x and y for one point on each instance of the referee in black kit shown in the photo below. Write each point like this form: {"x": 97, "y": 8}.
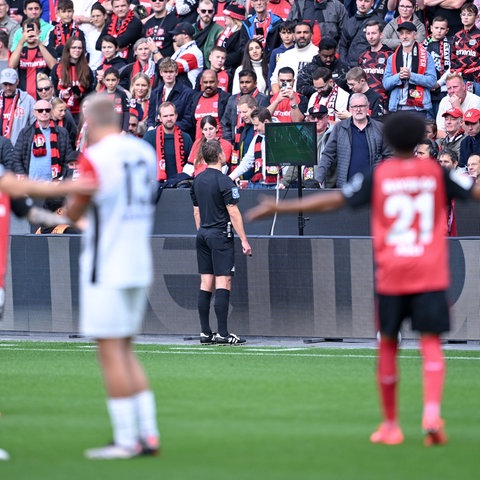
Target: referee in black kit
{"x": 215, "y": 198}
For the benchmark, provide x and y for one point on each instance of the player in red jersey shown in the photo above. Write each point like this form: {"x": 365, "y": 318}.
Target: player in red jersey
{"x": 408, "y": 198}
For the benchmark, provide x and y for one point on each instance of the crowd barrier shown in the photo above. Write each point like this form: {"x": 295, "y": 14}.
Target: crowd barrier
{"x": 291, "y": 286}
{"x": 174, "y": 215}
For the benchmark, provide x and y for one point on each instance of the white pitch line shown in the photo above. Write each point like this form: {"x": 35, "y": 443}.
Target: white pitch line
{"x": 227, "y": 350}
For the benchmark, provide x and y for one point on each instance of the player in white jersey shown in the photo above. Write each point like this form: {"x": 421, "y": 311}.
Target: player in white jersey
{"x": 115, "y": 273}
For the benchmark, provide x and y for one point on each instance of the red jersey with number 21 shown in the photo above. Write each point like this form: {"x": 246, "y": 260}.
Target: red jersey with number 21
{"x": 408, "y": 219}
{"x": 409, "y": 202}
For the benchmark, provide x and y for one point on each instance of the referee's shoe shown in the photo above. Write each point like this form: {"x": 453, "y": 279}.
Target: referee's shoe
{"x": 230, "y": 339}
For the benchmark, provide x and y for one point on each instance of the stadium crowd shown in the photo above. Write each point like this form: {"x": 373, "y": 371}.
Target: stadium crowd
{"x": 181, "y": 72}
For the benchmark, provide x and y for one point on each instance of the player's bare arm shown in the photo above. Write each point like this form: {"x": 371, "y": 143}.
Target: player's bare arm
{"x": 18, "y": 188}
{"x": 320, "y": 202}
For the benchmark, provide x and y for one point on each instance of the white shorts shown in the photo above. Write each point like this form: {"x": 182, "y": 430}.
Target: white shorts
{"x": 107, "y": 312}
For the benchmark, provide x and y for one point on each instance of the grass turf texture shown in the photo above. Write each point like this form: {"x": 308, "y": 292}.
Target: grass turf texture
{"x": 233, "y": 413}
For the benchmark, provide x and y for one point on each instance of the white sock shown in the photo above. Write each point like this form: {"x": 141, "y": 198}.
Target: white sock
{"x": 146, "y": 414}
{"x": 123, "y": 419}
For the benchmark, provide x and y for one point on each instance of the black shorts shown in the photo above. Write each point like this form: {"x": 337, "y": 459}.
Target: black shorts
{"x": 215, "y": 253}
{"x": 428, "y": 311}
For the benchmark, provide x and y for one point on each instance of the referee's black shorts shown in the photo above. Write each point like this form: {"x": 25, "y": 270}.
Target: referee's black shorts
{"x": 428, "y": 311}
{"x": 215, "y": 253}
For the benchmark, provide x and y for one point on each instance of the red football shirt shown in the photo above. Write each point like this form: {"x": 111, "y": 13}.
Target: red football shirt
{"x": 409, "y": 206}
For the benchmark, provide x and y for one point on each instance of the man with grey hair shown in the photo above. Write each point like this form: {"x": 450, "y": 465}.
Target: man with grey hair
{"x": 113, "y": 283}
{"x": 42, "y": 148}
{"x": 355, "y": 145}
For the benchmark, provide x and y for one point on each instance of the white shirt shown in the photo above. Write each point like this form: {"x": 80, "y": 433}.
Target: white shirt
{"x": 340, "y": 104}
{"x": 295, "y": 58}
{"x": 471, "y": 101}
{"x": 116, "y": 248}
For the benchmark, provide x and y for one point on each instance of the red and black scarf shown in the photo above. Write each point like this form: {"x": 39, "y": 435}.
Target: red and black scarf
{"x": 64, "y": 31}
{"x": 115, "y": 29}
{"x": 270, "y": 172}
{"x": 140, "y": 108}
{"x": 416, "y": 93}
{"x": 65, "y": 91}
{"x": 148, "y": 69}
{"x": 224, "y": 36}
{"x": 442, "y": 60}
{"x": 40, "y": 147}
{"x": 240, "y": 126}
{"x": 330, "y": 103}
{"x": 6, "y": 130}
{"x": 180, "y": 157}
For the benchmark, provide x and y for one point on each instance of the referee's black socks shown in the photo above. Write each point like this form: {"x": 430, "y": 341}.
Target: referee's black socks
{"x": 222, "y": 301}
{"x": 204, "y": 298}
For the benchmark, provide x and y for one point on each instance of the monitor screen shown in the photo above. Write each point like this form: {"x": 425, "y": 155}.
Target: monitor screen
{"x": 291, "y": 144}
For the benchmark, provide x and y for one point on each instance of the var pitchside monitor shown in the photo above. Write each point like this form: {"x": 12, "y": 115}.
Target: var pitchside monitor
{"x": 291, "y": 144}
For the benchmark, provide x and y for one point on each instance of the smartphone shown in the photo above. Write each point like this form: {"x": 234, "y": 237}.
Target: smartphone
{"x": 259, "y": 31}
{"x": 30, "y": 27}
{"x": 284, "y": 84}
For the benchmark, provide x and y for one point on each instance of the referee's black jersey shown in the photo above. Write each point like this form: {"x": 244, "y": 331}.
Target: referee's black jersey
{"x": 211, "y": 192}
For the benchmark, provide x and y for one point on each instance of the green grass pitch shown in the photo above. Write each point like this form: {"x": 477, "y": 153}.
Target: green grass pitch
{"x": 233, "y": 413}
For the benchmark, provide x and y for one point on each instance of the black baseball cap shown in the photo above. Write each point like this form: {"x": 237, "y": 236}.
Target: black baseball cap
{"x": 318, "y": 111}
{"x": 407, "y": 26}
{"x": 183, "y": 28}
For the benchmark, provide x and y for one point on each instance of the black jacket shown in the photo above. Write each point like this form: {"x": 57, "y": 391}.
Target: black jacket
{"x": 305, "y": 75}
{"x": 180, "y": 96}
{"x": 23, "y": 148}
{"x": 353, "y": 41}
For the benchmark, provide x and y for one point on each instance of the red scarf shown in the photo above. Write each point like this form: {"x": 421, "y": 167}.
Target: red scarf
{"x": 40, "y": 147}
{"x": 61, "y": 36}
{"x": 180, "y": 157}
{"x": 140, "y": 108}
{"x": 330, "y": 103}
{"x": 148, "y": 69}
{"x": 416, "y": 93}
{"x": 224, "y": 36}
{"x": 265, "y": 24}
{"x": 116, "y": 30}
{"x": 236, "y": 154}
{"x": 271, "y": 172}
{"x": 236, "y": 142}
{"x": 65, "y": 91}
{"x": 6, "y": 130}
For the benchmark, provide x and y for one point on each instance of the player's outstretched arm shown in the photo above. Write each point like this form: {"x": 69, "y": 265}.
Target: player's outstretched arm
{"x": 320, "y": 202}
{"x": 18, "y": 188}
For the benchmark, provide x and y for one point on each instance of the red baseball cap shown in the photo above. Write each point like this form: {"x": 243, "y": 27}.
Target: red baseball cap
{"x": 453, "y": 112}
{"x": 472, "y": 115}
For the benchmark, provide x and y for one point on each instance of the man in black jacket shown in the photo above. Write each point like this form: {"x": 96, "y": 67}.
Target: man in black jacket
{"x": 325, "y": 58}
{"x": 42, "y": 148}
{"x": 353, "y": 41}
{"x": 169, "y": 90}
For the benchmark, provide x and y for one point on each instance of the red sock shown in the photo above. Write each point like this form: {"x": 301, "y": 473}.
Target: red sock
{"x": 433, "y": 369}
{"x": 387, "y": 378}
